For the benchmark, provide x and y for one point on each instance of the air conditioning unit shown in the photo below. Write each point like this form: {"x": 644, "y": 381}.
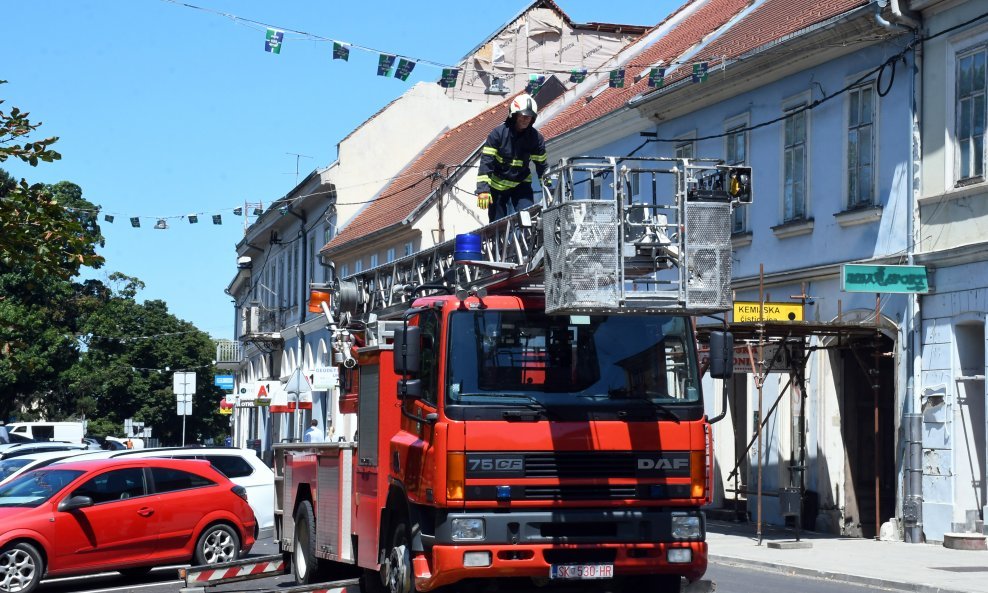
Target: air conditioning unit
{"x": 251, "y": 318}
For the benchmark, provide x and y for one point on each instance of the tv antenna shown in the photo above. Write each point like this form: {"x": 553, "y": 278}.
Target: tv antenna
{"x": 297, "y": 157}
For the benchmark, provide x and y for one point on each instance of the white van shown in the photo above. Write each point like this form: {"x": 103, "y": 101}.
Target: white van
{"x": 69, "y": 432}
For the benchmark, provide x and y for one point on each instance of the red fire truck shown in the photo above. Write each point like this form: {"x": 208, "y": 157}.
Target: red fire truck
{"x": 528, "y": 396}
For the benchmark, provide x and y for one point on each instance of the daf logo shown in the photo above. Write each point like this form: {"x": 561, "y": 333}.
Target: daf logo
{"x": 662, "y": 463}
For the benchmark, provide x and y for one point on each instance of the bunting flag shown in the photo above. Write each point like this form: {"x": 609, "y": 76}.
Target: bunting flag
{"x": 238, "y": 211}
{"x": 656, "y": 77}
{"x": 217, "y": 219}
{"x": 534, "y": 84}
{"x": 449, "y": 77}
{"x": 135, "y": 222}
{"x": 578, "y": 75}
{"x": 384, "y": 64}
{"x": 272, "y": 41}
{"x": 193, "y": 219}
{"x": 161, "y": 225}
{"x": 405, "y": 68}
{"x": 108, "y": 218}
{"x": 341, "y": 52}
{"x": 616, "y": 80}
{"x": 700, "y": 72}
{"x": 257, "y": 211}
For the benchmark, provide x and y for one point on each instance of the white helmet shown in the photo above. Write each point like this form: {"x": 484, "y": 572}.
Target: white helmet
{"x": 525, "y": 105}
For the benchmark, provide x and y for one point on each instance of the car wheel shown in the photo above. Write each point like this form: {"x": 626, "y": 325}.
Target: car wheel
{"x": 218, "y": 543}
{"x": 20, "y": 568}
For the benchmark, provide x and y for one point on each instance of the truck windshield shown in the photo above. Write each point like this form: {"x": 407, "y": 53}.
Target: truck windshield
{"x": 499, "y": 356}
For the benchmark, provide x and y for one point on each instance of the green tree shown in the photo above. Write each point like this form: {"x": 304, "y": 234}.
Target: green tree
{"x": 38, "y": 231}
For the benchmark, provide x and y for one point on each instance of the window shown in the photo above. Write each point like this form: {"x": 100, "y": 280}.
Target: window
{"x": 429, "y": 360}
{"x": 737, "y": 154}
{"x": 970, "y": 109}
{"x": 684, "y": 150}
{"x": 373, "y": 260}
{"x": 390, "y": 257}
{"x": 860, "y": 147}
{"x": 344, "y": 271}
{"x": 119, "y": 484}
{"x": 794, "y": 157}
{"x": 230, "y": 466}
{"x": 167, "y": 479}
{"x": 358, "y": 266}
{"x": 409, "y": 248}
{"x": 313, "y": 258}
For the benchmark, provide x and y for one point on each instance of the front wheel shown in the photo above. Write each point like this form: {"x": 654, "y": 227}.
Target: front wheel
{"x": 218, "y": 543}
{"x": 400, "y": 577}
{"x": 20, "y": 568}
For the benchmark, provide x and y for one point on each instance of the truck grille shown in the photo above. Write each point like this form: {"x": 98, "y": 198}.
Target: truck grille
{"x": 563, "y": 465}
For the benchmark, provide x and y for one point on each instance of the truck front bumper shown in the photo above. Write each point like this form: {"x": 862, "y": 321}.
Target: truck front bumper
{"x": 528, "y": 544}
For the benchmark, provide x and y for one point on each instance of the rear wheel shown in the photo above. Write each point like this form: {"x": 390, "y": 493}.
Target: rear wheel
{"x": 20, "y": 568}
{"x": 218, "y": 543}
{"x": 305, "y": 565}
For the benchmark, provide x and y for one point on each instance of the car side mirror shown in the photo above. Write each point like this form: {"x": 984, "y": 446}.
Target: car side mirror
{"x": 75, "y": 502}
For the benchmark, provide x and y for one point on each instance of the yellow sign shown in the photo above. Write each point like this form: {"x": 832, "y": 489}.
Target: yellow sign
{"x": 749, "y": 311}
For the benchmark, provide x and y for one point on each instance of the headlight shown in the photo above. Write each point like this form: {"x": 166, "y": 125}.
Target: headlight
{"x": 468, "y": 529}
{"x": 686, "y": 527}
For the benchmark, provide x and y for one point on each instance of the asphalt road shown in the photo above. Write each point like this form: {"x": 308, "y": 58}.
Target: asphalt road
{"x": 726, "y": 578}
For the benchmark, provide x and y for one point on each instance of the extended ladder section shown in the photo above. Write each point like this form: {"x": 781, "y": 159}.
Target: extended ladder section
{"x": 614, "y": 235}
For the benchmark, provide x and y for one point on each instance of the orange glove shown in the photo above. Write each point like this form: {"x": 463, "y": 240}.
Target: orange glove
{"x": 483, "y": 200}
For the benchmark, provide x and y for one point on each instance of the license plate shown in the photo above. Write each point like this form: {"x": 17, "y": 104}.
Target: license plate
{"x": 581, "y": 571}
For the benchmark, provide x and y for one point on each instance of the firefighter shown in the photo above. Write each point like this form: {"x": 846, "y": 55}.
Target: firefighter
{"x": 505, "y": 177}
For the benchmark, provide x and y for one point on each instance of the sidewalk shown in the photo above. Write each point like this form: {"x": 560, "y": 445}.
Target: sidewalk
{"x": 923, "y": 568}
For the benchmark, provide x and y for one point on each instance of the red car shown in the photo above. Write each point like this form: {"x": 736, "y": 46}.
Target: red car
{"x": 119, "y": 514}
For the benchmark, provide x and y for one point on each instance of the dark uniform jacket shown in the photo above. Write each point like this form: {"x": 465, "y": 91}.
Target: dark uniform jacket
{"x": 505, "y": 156}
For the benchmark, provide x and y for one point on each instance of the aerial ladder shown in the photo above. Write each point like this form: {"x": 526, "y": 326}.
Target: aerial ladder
{"x": 597, "y": 244}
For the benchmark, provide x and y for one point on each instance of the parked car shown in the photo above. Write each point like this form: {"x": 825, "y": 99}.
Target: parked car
{"x": 7, "y": 438}
{"x": 18, "y": 449}
{"x": 242, "y": 466}
{"x": 15, "y": 466}
{"x": 126, "y": 515}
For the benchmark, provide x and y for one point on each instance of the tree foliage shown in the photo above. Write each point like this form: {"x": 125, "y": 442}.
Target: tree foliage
{"x": 88, "y": 349}
{"x": 43, "y": 229}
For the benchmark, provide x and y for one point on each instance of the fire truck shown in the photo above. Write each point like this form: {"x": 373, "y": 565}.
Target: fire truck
{"x": 527, "y": 396}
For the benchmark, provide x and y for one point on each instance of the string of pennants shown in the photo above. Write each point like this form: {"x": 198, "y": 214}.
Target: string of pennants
{"x": 274, "y": 41}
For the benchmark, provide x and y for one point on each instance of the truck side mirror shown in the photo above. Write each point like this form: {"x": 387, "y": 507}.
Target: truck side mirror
{"x": 409, "y": 389}
{"x": 721, "y": 355}
{"x": 407, "y": 350}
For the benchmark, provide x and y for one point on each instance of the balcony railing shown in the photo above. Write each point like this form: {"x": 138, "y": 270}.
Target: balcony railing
{"x": 229, "y": 354}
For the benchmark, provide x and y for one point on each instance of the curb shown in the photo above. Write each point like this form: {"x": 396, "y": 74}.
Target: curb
{"x": 831, "y": 576}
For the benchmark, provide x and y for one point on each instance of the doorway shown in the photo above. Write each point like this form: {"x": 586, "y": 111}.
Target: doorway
{"x": 868, "y": 370}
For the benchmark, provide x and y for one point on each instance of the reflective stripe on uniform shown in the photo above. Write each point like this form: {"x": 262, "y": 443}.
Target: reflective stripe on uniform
{"x": 539, "y": 158}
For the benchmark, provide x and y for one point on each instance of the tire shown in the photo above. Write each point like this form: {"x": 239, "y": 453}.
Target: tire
{"x": 217, "y": 543}
{"x": 305, "y": 566}
{"x": 21, "y": 568}
{"x": 400, "y": 576}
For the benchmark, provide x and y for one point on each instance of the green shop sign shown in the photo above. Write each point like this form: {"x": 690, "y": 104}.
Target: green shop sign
{"x": 865, "y": 278}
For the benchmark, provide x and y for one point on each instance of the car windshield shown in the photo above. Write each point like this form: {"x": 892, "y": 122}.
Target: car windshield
{"x": 35, "y": 487}
{"x": 9, "y": 466}
{"x": 502, "y": 356}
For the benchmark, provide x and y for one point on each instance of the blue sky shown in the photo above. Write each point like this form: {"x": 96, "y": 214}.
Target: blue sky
{"x": 163, "y": 110}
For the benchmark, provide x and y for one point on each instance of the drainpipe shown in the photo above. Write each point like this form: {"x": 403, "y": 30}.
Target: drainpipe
{"x": 912, "y": 504}
{"x": 901, "y": 18}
